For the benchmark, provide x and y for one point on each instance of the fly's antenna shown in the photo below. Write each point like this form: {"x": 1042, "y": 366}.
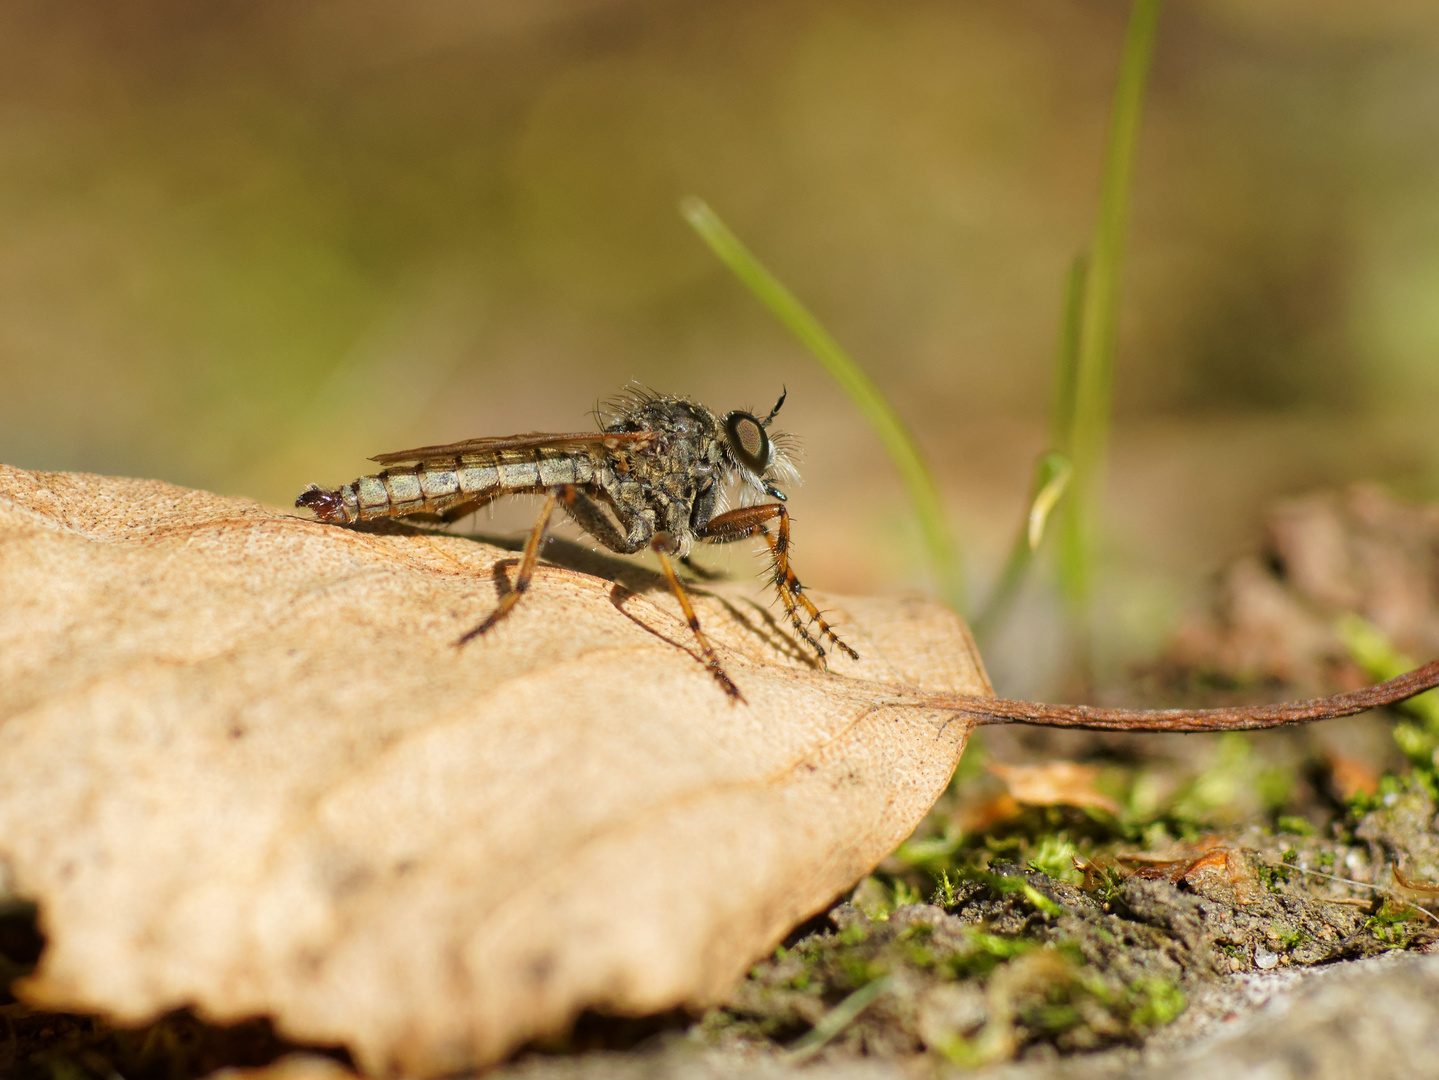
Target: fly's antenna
{"x": 783, "y": 393}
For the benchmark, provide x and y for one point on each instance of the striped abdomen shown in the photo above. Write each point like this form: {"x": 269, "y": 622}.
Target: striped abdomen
{"x": 438, "y": 487}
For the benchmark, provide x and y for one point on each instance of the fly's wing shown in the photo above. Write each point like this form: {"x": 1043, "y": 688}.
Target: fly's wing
{"x": 534, "y": 440}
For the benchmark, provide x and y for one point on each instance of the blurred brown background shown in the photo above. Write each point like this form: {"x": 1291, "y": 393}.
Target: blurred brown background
{"x": 245, "y": 245}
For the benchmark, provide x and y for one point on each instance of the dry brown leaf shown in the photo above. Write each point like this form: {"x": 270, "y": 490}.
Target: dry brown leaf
{"x": 1357, "y": 550}
{"x": 1054, "y": 783}
{"x": 1350, "y": 776}
{"x": 1211, "y": 868}
{"x": 290, "y": 1067}
{"x": 243, "y": 767}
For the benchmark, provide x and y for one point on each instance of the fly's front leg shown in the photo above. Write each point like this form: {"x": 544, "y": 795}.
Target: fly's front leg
{"x": 745, "y": 522}
{"x": 528, "y": 558}
{"x": 658, "y": 545}
{"x": 590, "y": 516}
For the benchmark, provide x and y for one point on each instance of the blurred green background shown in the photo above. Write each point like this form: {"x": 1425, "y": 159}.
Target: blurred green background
{"x": 245, "y": 245}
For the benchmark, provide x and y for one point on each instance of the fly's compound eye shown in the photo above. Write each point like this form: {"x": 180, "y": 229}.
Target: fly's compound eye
{"x": 749, "y": 442}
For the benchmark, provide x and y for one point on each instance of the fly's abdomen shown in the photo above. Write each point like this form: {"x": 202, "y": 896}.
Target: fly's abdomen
{"x": 438, "y": 487}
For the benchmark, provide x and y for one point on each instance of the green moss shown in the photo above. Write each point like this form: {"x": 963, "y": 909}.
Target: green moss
{"x": 1155, "y": 1002}
{"x": 904, "y": 893}
{"x": 1005, "y": 884}
{"x": 1054, "y": 855}
{"x": 1289, "y": 937}
{"x": 1397, "y": 925}
{"x": 856, "y": 971}
{"x": 944, "y": 894}
{"x": 1291, "y": 824}
{"x": 1272, "y": 876}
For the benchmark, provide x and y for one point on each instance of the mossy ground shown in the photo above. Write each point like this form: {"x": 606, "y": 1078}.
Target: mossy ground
{"x": 1060, "y": 931}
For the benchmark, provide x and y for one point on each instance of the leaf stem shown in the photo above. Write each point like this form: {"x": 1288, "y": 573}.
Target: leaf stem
{"x": 1370, "y": 649}
{"x": 1242, "y": 718}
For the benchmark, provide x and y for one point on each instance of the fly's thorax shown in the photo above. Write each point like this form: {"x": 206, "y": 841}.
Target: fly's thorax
{"x": 685, "y": 458}
{"x": 689, "y": 436}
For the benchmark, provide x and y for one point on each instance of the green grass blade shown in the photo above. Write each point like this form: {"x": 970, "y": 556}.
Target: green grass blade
{"x": 836, "y": 1020}
{"x": 895, "y": 437}
{"x": 1094, "y": 382}
{"x": 1052, "y": 474}
{"x": 1066, "y": 359}
{"x": 1053, "y": 471}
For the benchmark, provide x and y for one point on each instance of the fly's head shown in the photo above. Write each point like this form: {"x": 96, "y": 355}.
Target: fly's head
{"x": 757, "y": 459}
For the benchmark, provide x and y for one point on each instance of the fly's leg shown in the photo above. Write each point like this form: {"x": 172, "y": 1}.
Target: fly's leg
{"x": 590, "y": 516}
{"x": 464, "y": 510}
{"x": 711, "y": 658}
{"x": 745, "y": 522}
{"x": 528, "y": 558}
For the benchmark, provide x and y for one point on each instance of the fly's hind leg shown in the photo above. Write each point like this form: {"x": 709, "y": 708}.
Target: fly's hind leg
{"x": 528, "y": 558}
{"x": 745, "y": 522}
{"x": 590, "y": 516}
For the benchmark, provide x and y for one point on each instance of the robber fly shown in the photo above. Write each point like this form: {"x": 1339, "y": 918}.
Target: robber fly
{"x": 657, "y": 475}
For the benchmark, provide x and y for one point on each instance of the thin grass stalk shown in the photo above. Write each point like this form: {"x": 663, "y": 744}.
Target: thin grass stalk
{"x": 1052, "y": 472}
{"x": 903, "y": 451}
{"x": 1098, "y": 325}
{"x": 1066, "y": 360}
{"x": 1051, "y": 479}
